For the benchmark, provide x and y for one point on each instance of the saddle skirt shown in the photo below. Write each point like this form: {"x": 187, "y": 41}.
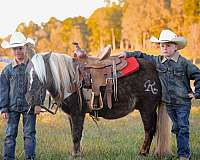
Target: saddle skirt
{"x": 131, "y": 67}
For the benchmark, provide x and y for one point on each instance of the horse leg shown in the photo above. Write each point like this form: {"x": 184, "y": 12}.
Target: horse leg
{"x": 76, "y": 124}
{"x": 152, "y": 131}
{"x": 149, "y": 122}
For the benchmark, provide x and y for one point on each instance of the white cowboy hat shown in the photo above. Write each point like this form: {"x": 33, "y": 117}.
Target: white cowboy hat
{"x": 169, "y": 36}
{"x": 17, "y": 39}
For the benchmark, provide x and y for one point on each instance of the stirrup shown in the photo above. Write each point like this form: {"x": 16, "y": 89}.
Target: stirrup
{"x": 98, "y": 105}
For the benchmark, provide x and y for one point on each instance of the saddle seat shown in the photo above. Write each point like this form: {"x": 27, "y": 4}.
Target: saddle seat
{"x": 96, "y": 63}
{"x": 104, "y": 60}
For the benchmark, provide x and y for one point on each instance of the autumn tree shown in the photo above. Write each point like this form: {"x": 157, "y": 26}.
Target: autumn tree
{"x": 74, "y": 29}
{"x": 142, "y": 18}
{"x": 126, "y": 24}
{"x": 105, "y": 27}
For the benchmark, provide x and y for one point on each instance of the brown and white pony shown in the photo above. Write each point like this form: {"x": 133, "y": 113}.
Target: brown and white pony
{"x": 58, "y": 73}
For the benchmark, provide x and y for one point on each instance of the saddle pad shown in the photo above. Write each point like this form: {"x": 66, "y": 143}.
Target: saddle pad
{"x": 132, "y": 66}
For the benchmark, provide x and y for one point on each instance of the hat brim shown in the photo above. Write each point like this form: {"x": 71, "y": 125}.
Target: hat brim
{"x": 6, "y": 45}
{"x": 31, "y": 41}
{"x": 181, "y": 42}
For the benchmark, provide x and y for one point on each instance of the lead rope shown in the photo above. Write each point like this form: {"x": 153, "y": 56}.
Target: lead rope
{"x": 48, "y": 109}
{"x": 95, "y": 119}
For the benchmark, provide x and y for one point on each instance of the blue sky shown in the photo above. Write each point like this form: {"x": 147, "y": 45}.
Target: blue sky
{"x": 13, "y": 12}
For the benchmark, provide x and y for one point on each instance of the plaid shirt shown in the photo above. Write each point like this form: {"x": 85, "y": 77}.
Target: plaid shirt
{"x": 175, "y": 75}
{"x": 13, "y": 85}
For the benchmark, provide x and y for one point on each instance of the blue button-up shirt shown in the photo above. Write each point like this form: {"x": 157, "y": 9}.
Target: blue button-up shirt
{"x": 13, "y": 86}
{"x": 175, "y": 75}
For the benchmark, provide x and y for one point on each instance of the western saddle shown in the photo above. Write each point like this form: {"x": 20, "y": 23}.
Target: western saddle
{"x": 100, "y": 71}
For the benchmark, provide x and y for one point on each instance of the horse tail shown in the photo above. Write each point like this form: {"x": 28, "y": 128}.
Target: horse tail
{"x": 163, "y": 133}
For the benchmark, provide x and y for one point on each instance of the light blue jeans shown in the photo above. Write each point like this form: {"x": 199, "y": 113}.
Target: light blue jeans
{"x": 180, "y": 119}
{"x": 29, "y": 121}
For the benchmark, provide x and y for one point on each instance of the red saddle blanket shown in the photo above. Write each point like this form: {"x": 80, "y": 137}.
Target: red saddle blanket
{"x": 132, "y": 66}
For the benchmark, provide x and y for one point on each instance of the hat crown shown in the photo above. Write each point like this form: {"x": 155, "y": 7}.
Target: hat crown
{"x": 167, "y": 35}
{"x": 17, "y": 38}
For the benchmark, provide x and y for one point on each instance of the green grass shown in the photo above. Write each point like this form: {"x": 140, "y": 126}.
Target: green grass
{"x": 113, "y": 140}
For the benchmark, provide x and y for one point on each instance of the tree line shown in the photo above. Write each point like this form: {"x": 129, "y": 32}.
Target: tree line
{"x": 126, "y": 25}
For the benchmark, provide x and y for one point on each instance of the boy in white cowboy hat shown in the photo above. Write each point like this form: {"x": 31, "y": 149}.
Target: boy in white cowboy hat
{"x": 12, "y": 100}
{"x": 175, "y": 73}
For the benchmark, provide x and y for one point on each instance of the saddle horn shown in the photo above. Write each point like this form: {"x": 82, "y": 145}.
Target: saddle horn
{"x": 79, "y": 52}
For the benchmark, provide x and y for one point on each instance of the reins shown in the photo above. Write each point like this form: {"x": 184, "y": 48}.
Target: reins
{"x": 48, "y": 109}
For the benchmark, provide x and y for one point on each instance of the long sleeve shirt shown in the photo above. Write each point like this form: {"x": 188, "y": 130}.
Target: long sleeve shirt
{"x": 13, "y": 86}
{"x": 175, "y": 75}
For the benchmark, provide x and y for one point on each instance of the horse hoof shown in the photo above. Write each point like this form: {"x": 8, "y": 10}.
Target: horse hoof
{"x": 76, "y": 156}
{"x": 143, "y": 153}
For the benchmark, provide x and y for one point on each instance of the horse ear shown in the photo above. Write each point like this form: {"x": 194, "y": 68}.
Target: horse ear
{"x": 47, "y": 56}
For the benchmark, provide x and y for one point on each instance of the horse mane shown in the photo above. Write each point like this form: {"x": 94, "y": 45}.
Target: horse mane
{"x": 39, "y": 67}
{"x": 64, "y": 74}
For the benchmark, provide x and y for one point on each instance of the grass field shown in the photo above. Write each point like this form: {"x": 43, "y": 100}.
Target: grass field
{"x": 114, "y": 140}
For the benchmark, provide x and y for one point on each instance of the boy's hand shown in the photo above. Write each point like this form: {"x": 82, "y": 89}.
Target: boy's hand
{"x": 122, "y": 55}
{"x": 4, "y": 115}
{"x": 37, "y": 110}
{"x": 191, "y": 95}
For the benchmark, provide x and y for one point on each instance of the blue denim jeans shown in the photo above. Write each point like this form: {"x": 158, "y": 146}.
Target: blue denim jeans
{"x": 180, "y": 127}
{"x": 29, "y": 121}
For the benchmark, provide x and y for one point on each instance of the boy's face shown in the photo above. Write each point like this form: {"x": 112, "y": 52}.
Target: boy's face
{"x": 19, "y": 53}
{"x": 168, "y": 49}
